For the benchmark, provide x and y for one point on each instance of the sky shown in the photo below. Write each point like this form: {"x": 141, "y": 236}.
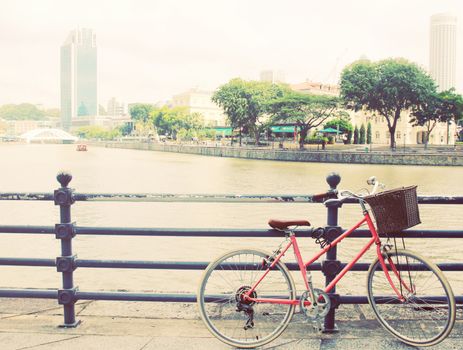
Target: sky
{"x": 150, "y": 50}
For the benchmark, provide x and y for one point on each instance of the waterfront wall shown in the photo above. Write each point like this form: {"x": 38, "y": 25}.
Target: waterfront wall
{"x": 329, "y": 156}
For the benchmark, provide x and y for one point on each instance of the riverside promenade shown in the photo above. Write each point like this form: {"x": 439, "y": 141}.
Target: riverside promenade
{"x": 33, "y": 324}
{"x": 352, "y": 154}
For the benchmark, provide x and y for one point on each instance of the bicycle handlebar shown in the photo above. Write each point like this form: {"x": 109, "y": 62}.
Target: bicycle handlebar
{"x": 321, "y": 197}
{"x": 372, "y": 181}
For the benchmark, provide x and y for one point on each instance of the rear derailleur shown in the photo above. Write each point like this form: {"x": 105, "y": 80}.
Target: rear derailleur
{"x": 243, "y": 304}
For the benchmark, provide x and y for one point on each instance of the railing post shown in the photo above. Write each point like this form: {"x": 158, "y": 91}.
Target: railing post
{"x": 66, "y": 262}
{"x": 330, "y": 266}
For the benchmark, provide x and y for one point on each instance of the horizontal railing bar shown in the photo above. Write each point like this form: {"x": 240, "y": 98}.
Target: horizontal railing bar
{"x": 160, "y": 297}
{"x": 129, "y": 296}
{"x": 29, "y": 293}
{"x": 26, "y": 229}
{"x": 26, "y": 196}
{"x": 413, "y": 234}
{"x": 180, "y": 265}
{"x": 208, "y": 232}
{"x": 179, "y": 232}
{"x": 201, "y": 197}
{"x": 27, "y": 262}
{"x": 190, "y": 298}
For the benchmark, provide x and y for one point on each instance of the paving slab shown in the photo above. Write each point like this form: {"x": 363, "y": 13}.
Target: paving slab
{"x": 148, "y": 326}
{"x": 16, "y": 341}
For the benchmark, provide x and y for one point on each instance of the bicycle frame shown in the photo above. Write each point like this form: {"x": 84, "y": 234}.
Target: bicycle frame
{"x": 303, "y": 266}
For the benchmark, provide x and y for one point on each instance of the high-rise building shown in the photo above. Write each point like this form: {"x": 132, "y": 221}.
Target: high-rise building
{"x": 115, "y": 108}
{"x": 272, "y": 76}
{"x": 78, "y": 76}
{"x": 443, "y": 50}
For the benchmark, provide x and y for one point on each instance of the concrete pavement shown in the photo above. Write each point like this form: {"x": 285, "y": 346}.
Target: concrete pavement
{"x": 33, "y": 324}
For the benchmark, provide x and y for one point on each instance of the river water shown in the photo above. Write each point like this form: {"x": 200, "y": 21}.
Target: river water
{"x": 33, "y": 168}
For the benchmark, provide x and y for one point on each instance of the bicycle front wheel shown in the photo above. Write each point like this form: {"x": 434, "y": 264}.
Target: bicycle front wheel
{"x": 238, "y": 322}
{"x": 424, "y": 313}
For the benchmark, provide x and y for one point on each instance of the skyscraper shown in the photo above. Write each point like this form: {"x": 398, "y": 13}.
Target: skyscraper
{"x": 272, "y": 76}
{"x": 78, "y": 76}
{"x": 443, "y": 50}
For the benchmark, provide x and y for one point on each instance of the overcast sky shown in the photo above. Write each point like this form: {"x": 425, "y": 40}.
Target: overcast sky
{"x": 150, "y": 50}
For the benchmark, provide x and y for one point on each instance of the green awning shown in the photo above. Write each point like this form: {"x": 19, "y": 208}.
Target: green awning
{"x": 224, "y": 131}
{"x": 330, "y": 131}
{"x": 283, "y": 128}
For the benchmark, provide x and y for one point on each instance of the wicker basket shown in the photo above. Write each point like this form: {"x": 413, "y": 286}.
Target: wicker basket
{"x": 395, "y": 210}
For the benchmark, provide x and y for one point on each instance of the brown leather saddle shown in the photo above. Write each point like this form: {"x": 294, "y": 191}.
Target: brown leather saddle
{"x": 284, "y": 224}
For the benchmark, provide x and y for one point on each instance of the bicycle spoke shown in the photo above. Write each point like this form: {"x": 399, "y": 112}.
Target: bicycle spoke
{"x": 427, "y": 314}
{"x": 239, "y": 322}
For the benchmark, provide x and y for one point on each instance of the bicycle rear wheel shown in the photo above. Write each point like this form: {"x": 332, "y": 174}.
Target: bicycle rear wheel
{"x": 240, "y": 323}
{"x": 426, "y": 314}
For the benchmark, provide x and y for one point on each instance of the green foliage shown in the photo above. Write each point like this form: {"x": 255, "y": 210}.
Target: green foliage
{"x": 316, "y": 140}
{"x": 246, "y": 102}
{"x": 141, "y": 112}
{"x": 126, "y": 129}
{"x": 304, "y": 110}
{"x": 369, "y": 133}
{"x": 97, "y": 132}
{"x": 348, "y": 139}
{"x": 386, "y": 87}
{"x": 356, "y": 135}
{"x": 342, "y": 124}
{"x": 446, "y": 106}
{"x": 362, "y": 134}
{"x": 52, "y": 113}
{"x": 23, "y": 111}
{"x": 170, "y": 121}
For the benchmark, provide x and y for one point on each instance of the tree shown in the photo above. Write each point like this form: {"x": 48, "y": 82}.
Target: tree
{"x": 304, "y": 110}
{"x": 369, "y": 133}
{"x": 246, "y": 104}
{"x": 387, "y": 87}
{"x": 126, "y": 129}
{"x": 362, "y": 134}
{"x": 443, "y": 107}
{"x": 141, "y": 112}
{"x": 98, "y": 132}
{"x": 23, "y": 111}
{"x": 349, "y": 137}
{"x": 356, "y": 135}
{"x": 232, "y": 98}
{"x": 342, "y": 124}
{"x": 54, "y": 113}
{"x": 170, "y": 121}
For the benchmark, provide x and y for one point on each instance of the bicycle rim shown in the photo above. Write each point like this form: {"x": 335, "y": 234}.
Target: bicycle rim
{"x": 225, "y": 278}
{"x": 426, "y": 314}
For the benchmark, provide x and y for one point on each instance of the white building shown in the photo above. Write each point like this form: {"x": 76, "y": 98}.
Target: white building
{"x": 406, "y": 134}
{"x": 443, "y": 50}
{"x": 272, "y": 76}
{"x": 199, "y": 101}
{"x": 116, "y": 108}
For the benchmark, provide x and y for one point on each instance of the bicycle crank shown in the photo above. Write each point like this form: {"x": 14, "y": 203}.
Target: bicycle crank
{"x": 315, "y": 310}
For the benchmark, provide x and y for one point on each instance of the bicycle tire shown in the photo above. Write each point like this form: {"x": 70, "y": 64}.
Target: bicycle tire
{"x": 419, "y": 320}
{"x": 223, "y": 280}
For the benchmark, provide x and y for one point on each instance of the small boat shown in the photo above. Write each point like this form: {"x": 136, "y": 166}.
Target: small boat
{"x": 81, "y": 147}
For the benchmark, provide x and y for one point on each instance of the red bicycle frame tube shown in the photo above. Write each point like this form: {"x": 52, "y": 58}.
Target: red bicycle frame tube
{"x": 303, "y": 266}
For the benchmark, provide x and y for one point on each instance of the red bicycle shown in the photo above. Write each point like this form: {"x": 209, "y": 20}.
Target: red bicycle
{"x": 247, "y": 297}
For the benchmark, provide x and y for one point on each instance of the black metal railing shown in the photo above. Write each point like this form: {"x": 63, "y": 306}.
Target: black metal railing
{"x": 67, "y": 262}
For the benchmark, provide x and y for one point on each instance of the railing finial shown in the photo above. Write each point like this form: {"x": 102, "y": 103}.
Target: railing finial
{"x": 64, "y": 178}
{"x": 333, "y": 180}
